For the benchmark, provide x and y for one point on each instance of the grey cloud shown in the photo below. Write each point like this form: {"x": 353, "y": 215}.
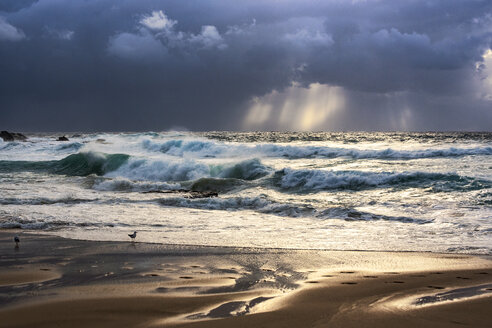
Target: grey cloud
{"x": 156, "y": 34}
{"x": 209, "y": 37}
{"x": 306, "y": 38}
{"x": 154, "y": 64}
{"x": 15, "y": 5}
{"x": 142, "y": 45}
{"x": 62, "y": 34}
{"x": 9, "y": 32}
{"x": 158, "y": 21}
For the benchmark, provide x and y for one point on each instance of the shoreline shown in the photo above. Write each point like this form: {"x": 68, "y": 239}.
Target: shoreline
{"x": 45, "y": 233}
{"x": 80, "y": 283}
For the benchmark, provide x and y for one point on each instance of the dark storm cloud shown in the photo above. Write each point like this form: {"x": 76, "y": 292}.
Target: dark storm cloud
{"x": 148, "y": 64}
{"x": 15, "y": 5}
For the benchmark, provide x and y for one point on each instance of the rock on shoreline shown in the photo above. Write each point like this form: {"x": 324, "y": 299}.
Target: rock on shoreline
{"x": 12, "y": 136}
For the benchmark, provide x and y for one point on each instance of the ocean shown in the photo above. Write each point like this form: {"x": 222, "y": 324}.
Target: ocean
{"x": 335, "y": 191}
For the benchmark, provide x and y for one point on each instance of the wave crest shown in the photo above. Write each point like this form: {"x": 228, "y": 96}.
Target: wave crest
{"x": 265, "y": 205}
{"x": 173, "y": 170}
{"x": 314, "y": 180}
{"x": 87, "y": 163}
{"x": 79, "y": 164}
{"x": 207, "y": 148}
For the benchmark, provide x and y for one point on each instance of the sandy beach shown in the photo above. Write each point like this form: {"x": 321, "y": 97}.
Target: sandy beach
{"x": 50, "y": 281}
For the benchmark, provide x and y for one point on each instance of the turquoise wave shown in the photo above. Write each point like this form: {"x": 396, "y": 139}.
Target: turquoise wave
{"x": 80, "y": 164}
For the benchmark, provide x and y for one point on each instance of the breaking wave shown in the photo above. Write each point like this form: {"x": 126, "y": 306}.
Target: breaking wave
{"x": 265, "y": 205}
{"x": 42, "y": 224}
{"x": 89, "y": 163}
{"x": 314, "y": 180}
{"x": 45, "y": 201}
{"x": 80, "y": 164}
{"x": 73, "y": 146}
{"x": 127, "y": 173}
{"x": 173, "y": 171}
{"x": 122, "y": 184}
{"x": 207, "y": 148}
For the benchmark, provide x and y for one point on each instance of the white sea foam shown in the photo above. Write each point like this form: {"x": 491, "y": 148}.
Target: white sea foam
{"x": 160, "y": 170}
{"x": 207, "y": 148}
{"x": 316, "y": 190}
{"x": 185, "y": 170}
{"x": 41, "y": 223}
{"x": 188, "y": 146}
{"x": 259, "y": 204}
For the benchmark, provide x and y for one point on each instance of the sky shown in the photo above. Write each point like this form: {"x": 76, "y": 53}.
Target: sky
{"x": 333, "y": 65}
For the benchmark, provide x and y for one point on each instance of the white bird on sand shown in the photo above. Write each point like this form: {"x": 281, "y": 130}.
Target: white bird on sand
{"x": 133, "y": 235}
{"x": 17, "y": 241}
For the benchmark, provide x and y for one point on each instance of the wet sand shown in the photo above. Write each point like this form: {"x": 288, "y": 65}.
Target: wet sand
{"x": 50, "y": 281}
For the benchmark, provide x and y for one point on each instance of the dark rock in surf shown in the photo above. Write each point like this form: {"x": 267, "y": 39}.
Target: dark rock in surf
{"x": 63, "y": 138}
{"x": 6, "y": 136}
{"x": 172, "y": 191}
{"x": 202, "y": 194}
{"x": 190, "y": 194}
{"x": 12, "y": 136}
{"x": 19, "y": 136}
{"x": 102, "y": 141}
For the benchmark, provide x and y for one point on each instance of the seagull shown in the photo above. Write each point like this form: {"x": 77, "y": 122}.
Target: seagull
{"x": 133, "y": 235}
{"x": 17, "y": 241}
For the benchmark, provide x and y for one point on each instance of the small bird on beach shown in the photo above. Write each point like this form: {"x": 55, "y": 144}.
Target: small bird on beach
{"x": 133, "y": 235}
{"x": 17, "y": 241}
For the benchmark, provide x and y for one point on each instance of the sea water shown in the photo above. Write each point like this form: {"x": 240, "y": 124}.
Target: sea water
{"x": 339, "y": 191}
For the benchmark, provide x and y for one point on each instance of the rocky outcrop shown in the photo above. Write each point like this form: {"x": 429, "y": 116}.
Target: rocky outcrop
{"x": 63, "y": 138}
{"x": 12, "y": 136}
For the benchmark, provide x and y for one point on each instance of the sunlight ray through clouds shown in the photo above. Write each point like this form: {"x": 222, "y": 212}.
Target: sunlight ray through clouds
{"x": 486, "y": 69}
{"x": 296, "y": 108}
